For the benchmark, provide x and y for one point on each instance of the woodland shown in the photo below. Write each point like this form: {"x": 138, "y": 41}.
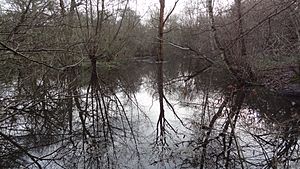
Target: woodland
{"x": 96, "y": 84}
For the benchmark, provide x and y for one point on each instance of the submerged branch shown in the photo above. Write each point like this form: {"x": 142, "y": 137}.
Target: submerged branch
{"x": 173, "y": 110}
{"x": 33, "y": 158}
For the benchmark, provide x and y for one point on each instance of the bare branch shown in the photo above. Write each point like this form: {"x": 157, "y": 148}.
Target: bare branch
{"x": 169, "y": 14}
{"x": 27, "y": 58}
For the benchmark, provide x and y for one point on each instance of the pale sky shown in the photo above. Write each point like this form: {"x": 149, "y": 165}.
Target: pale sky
{"x": 144, "y": 6}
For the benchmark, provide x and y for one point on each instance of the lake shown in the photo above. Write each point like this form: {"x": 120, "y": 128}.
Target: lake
{"x": 143, "y": 114}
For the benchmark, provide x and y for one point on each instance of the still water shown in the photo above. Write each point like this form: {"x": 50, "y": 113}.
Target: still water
{"x": 63, "y": 120}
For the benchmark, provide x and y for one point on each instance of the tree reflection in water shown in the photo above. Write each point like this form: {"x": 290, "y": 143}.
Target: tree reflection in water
{"x": 51, "y": 121}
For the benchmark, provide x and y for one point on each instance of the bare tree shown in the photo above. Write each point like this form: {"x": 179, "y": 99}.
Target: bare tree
{"x": 161, "y": 123}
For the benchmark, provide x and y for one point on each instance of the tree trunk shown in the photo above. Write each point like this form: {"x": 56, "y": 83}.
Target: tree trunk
{"x": 241, "y": 47}
{"x": 160, "y": 87}
{"x": 161, "y": 30}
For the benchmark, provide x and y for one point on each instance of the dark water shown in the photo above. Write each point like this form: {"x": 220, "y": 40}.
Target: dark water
{"x": 51, "y": 119}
